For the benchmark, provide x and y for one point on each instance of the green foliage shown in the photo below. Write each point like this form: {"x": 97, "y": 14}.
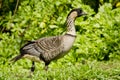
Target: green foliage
{"x": 98, "y": 38}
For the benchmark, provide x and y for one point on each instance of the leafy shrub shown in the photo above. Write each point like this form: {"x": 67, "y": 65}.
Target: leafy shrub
{"x": 98, "y": 37}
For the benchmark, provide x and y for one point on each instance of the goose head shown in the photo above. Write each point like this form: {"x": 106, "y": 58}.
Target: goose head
{"x": 77, "y": 12}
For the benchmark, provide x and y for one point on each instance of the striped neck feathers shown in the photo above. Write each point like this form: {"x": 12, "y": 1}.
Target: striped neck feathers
{"x": 70, "y": 25}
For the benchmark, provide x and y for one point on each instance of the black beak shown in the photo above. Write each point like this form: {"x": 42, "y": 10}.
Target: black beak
{"x": 85, "y": 17}
{"x": 83, "y": 13}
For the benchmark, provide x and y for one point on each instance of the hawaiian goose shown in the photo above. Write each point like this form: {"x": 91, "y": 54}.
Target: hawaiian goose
{"x": 51, "y": 48}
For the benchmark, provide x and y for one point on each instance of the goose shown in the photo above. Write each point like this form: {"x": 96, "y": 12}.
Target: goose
{"x": 47, "y": 49}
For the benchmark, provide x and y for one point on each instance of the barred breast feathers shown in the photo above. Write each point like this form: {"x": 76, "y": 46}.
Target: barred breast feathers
{"x": 49, "y": 43}
{"x": 50, "y": 47}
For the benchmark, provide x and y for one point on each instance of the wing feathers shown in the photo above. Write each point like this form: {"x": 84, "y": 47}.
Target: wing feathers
{"x": 49, "y": 47}
{"x": 50, "y": 43}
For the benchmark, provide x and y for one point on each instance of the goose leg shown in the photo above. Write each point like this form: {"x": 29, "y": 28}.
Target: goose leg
{"x": 32, "y": 69}
{"x": 33, "y": 66}
{"x": 46, "y": 65}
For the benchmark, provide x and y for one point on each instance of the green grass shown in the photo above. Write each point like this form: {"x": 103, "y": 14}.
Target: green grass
{"x": 89, "y": 70}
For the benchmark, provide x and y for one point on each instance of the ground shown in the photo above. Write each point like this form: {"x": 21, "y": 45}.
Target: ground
{"x": 83, "y": 70}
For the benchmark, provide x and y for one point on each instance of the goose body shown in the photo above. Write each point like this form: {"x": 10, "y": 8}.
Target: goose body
{"x": 51, "y": 48}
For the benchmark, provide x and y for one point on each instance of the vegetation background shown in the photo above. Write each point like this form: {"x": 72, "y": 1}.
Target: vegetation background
{"x": 95, "y": 54}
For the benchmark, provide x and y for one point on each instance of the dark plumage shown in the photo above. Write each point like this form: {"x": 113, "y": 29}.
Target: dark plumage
{"x": 50, "y": 48}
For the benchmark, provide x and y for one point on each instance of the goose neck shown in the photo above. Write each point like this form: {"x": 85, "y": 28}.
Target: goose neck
{"x": 70, "y": 26}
